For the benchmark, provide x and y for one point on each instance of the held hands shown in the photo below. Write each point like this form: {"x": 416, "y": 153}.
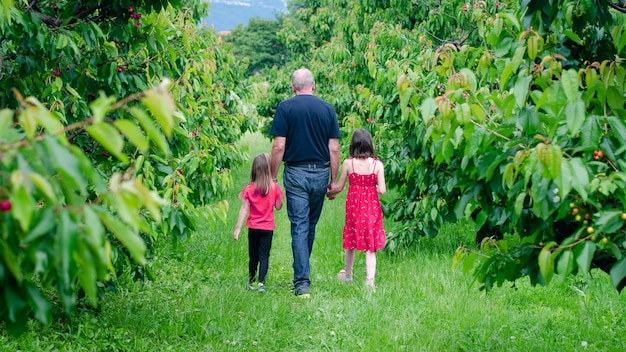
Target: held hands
{"x": 332, "y": 191}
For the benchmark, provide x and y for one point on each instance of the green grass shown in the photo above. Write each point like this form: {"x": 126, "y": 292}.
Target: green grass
{"x": 198, "y": 301}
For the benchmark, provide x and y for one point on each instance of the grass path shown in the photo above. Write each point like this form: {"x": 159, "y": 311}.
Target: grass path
{"x": 198, "y": 302}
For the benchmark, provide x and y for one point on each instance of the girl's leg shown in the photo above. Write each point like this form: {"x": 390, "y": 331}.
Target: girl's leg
{"x": 265, "y": 245}
{"x": 345, "y": 275}
{"x": 349, "y": 262}
{"x": 370, "y": 265}
{"x": 253, "y": 253}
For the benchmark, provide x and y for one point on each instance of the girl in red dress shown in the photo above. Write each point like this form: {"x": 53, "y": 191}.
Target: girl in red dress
{"x": 259, "y": 197}
{"x": 363, "y": 230}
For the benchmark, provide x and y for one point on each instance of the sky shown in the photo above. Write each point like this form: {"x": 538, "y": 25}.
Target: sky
{"x": 224, "y": 15}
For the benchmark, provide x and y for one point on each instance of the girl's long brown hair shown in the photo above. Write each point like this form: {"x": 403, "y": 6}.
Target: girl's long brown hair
{"x": 361, "y": 145}
{"x": 260, "y": 173}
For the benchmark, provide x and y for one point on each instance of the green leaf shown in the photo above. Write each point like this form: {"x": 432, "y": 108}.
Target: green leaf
{"x": 478, "y": 113}
{"x": 555, "y": 160}
{"x": 72, "y": 91}
{"x": 153, "y": 133}
{"x": 519, "y": 203}
{"x": 67, "y": 232}
{"x": 590, "y": 133}
{"x": 522, "y": 85}
{"x": 15, "y": 302}
{"x": 581, "y": 182}
{"x": 23, "y": 206}
{"x": 44, "y": 224}
{"x": 569, "y": 79}
{"x": 529, "y": 120}
{"x": 615, "y": 98}
{"x": 405, "y": 96}
{"x": 584, "y": 255}
{"x": 573, "y": 36}
{"x": 618, "y": 127}
{"x": 12, "y": 261}
{"x": 41, "y": 307}
{"x": 44, "y": 186}
{"x": 6, "y": 120}
{"x": 609, "y": 221}
{"x": 133, "y": 133}
{"x": 95, "y": 238}
{"x": 100, "y": 107}
{"x": 511, "y": 18}
{"x": 162, "y": 107}
{"x": 87, "y": 275}
{"x": 565, "y": 265}
{"x": 150, "y": 199}
{"x": 546, "y": 263}
{"x": 109, "y": 138}
{"x": 66, "y": 164}
{"x": 618, "y": 273}
{"x": 575, "y": 115}
{"x": 564, "y": 179}
{"x": 428, "y": 109}
{"x": 506, "y": 74}
{"x": 129, "y": 238}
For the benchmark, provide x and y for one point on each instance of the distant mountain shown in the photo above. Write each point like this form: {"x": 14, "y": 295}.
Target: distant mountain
{"x": 224, "y": 15}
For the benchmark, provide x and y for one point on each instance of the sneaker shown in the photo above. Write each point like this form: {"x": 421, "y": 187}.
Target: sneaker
{"x": 250, "y": 286}
{"x": 341, "y": 275}
{"x": 261, "y": 287}
{"x": 302, "y": 292}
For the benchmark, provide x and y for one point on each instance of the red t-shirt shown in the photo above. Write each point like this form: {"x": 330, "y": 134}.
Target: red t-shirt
{"x": 261, "y": 216}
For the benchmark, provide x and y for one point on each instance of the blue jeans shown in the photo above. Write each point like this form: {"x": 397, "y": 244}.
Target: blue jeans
{"x": 305, "y": 190}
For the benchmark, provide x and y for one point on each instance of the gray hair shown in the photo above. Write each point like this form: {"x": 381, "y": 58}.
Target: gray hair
{"x": 302, "y": 79}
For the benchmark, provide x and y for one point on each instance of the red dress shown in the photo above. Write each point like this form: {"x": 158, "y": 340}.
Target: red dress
{"x": 363, "y": 230}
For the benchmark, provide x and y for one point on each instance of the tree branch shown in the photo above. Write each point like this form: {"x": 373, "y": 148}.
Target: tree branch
{"x": 621, "y": 6}
{"x": 57, "y": 22}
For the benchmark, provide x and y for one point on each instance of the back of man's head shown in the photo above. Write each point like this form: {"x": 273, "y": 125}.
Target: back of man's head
{"x": 302, "y": 79}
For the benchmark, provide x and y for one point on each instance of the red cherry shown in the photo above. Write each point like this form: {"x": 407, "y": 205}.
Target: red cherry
{"x": 105, "y": 154}
{"x": 5, "y": 205}
{"x": 119, "y": 69}
{"x": 131, "y": 10}
{"x": 137, "y": 24}
{"x": 464, "y": 7}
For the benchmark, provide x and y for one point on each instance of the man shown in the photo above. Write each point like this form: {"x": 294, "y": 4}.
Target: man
{"x": 306, "y": 137}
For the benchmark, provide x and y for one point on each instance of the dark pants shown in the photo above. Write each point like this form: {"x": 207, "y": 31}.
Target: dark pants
{"x": 259, "y": 246}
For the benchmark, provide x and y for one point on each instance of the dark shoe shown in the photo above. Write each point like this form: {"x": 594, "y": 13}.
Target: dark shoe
{"x": 302, "y": 292}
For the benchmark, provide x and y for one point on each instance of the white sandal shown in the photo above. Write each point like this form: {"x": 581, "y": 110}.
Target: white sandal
{"x": 341, "y": 275}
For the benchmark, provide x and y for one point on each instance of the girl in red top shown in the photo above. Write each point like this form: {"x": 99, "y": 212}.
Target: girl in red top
{"x": 259, "y": 197}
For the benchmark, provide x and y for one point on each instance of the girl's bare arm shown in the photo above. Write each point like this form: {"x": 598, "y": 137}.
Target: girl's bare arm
{"x": 279, "y": 202}
{"x": 340, "y": 184}
{"x": 381, "y": 187}
{"x": 243, "y": 212}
